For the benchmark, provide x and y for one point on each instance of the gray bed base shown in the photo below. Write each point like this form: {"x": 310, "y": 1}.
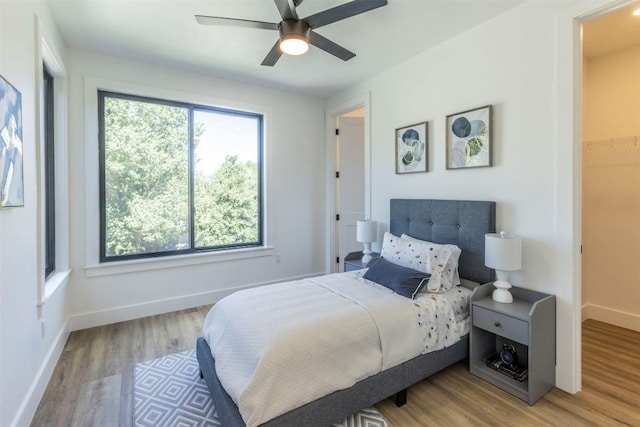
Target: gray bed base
{"x": 336, "y": 406}
{"x": 463, "y": 223}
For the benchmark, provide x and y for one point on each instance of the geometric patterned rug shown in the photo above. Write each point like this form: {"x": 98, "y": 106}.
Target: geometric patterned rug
{"x": 168, "y": 392}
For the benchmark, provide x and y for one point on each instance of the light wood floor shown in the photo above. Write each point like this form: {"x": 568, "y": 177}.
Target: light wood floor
{"x": 610, "y": 393}
{"x": 92, "y": 383}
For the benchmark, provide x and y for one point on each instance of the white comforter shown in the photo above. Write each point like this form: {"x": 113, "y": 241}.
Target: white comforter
{"x": 266, "y": 340}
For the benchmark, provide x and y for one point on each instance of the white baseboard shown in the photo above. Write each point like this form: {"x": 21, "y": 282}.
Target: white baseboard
{"x": 151, "y": 308}
{"x": 611, "y": 316}
{"x": 29, "y": 405}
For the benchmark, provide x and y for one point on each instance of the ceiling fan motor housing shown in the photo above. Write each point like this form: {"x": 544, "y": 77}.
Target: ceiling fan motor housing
{"x": 292, "y": 28}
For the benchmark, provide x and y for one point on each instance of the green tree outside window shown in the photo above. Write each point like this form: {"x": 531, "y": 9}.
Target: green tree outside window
{"x": 151, "y": 150}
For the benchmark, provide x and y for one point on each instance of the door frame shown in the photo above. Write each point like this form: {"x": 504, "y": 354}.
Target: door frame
{"x": 331, "y": 119}
{"x": 568, "y": 197}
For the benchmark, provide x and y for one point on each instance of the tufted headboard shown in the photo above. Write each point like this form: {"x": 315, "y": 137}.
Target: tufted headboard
{"x": 458, "y": 222}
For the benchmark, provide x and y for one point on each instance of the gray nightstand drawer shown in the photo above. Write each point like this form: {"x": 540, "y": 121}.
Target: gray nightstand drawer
{"x": 508, "y": 327}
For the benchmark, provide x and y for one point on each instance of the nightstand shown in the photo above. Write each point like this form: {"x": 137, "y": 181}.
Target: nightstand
{"x": 528, "y": 325}
{"x": 353, "y": 261}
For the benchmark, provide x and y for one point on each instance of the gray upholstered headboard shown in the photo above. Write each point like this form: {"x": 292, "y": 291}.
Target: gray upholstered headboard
{"x": 458, "y": 222}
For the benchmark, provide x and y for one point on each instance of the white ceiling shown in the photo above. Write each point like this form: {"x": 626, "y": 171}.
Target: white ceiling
{"x": 165, "y": 32}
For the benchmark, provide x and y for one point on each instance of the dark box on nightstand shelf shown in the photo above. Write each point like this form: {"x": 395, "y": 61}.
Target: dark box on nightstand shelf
{"x": 517, "y": 372}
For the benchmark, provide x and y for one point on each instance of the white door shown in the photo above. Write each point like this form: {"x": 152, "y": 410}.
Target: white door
{"x": 349, "y": 185}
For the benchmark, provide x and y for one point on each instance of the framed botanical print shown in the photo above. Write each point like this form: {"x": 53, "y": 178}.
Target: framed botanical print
{"x": 411, "y": 148}
{"x": 469, "y": 139}
{"x": 11, "y": 179}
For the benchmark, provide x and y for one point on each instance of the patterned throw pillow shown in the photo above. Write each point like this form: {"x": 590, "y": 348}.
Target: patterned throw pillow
{"x": 451, "y": 275}
{"x": 418, "y": 255}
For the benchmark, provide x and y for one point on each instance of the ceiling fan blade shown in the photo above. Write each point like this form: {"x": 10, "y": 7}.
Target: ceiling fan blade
{"x": 218, "y": 20}
{"x": 272, "y": 57}
{"x": 343, "y": 11}
{"x": 330, "y": 47}
{"x": 287, "y": 9}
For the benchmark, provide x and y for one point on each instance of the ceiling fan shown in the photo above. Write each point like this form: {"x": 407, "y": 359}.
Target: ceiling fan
{"x": 296, "y": 34}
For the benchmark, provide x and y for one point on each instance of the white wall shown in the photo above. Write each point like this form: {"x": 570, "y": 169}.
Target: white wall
{"x": 509, "y": 62}
{"x": 295, "y": 191}
{"x": 26, "y": 354}
{"x": 611, "y": 203}
{"x": 611, "y": 92}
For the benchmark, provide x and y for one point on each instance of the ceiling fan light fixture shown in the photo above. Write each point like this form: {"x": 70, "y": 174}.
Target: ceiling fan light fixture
{"x": 294, "y": 37}
{"x": 294, "y": 44}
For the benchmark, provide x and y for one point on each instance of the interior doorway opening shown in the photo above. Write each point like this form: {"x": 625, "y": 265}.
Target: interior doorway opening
{"x": 611, "y": 167}
{"x": 350, "y": 183}
{"x": 351, "y": 169}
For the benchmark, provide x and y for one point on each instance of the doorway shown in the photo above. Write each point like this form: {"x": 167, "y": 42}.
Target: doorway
{"x": 350, "y": 180}
{"x": 611, "y": 168}
{"x": 356, "y": 113}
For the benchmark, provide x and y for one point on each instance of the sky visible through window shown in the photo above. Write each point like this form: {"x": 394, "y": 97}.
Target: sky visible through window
{"x": 224, "y": 135}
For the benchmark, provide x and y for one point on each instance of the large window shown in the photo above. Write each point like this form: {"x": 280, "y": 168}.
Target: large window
{"x": 177, "y": 178}
{"x": 49, "y": 174}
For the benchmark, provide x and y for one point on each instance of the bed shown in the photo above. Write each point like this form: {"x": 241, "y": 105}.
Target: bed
{"x": 462, "y": 223}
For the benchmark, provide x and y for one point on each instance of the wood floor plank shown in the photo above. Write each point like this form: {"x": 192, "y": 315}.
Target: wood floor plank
{"x": 92, "y": 383}
{"x": 126, "y": 399}
{"x": 62, "y": 392}
{"x": 99, "y": 403}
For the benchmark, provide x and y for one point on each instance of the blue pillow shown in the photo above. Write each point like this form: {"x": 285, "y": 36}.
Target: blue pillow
{"x": 401, "y": 280}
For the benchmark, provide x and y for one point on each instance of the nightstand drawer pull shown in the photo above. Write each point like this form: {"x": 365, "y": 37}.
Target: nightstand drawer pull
{"x": 501, "y": 324}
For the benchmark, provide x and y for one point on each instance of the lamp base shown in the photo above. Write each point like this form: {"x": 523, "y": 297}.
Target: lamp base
{"x": 501, "y": 293}
{"x": 366, "y": 253}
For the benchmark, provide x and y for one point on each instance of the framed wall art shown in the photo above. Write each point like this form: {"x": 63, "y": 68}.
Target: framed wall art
{"x": 411, "y": 148}
{"x": 11, "y": 180}
{"x": 469, "y": 139}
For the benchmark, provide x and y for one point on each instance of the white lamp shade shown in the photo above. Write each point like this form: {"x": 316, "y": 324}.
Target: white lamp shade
{"x": 503, "y": 251}
{"x": 366, "y": 231}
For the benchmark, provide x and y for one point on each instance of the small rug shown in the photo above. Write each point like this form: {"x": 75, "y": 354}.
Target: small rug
{"x": 168, "y": 392}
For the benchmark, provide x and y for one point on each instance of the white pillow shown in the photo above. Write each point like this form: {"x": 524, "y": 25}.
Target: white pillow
{"x": 419, "y": 255}
{"x": 451, "y": 276}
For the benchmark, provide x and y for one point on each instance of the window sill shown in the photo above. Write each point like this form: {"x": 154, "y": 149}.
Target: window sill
{"x": 57, "y": 281}
{"x": 147, "y": 264}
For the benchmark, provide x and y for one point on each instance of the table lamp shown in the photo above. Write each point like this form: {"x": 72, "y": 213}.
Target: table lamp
{"x": 366, "y": 233}
{"x": 503, "y": 252}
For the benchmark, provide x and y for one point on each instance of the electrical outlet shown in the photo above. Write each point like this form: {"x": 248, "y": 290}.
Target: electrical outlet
{"x": 43, "y": 328}
{"x": 277, "y": 258}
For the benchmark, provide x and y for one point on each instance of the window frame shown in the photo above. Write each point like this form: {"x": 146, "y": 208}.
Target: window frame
{"x": 191, "y": 107}
{"x": 49, "y": 172}
{"x": 53, "y": 283}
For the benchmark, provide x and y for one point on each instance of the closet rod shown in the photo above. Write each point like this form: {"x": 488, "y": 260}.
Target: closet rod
{"x": 614, "y": 141}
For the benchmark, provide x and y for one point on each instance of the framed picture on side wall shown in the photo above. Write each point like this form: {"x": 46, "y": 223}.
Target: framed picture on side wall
{"x": 469, "y": 139}
{"x": 11, "y": 181}
{"x": 411, "y": 148}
